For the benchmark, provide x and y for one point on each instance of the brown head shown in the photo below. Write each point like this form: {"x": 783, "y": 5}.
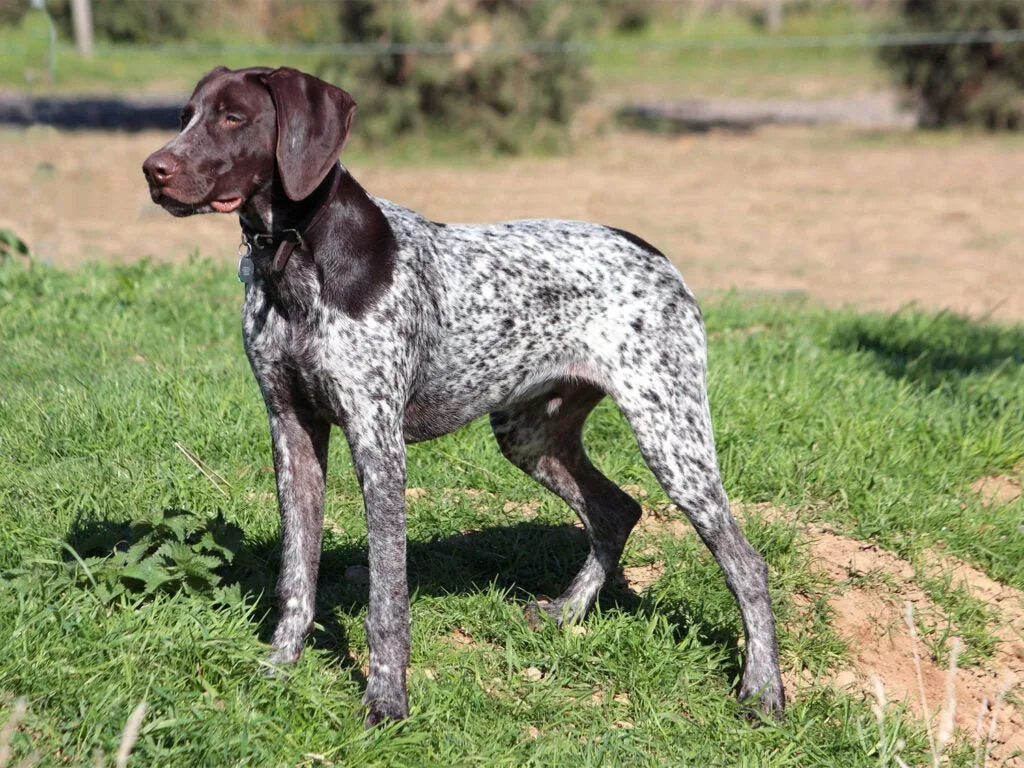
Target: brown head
{"x": 242, "y": 131}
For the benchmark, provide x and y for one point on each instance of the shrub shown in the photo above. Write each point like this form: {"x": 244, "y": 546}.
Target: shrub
{"x": 133, "y": 22}
{"x": 300, "y": 21}
{"x": 498, "y": 94}
{"x": 12, "y": 12}
{"x": 963, "y": 83}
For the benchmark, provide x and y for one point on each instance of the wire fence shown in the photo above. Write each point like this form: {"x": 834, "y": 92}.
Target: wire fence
{"x": 756, "y": 39}
{"x": 703, "y": 28}
{"x": 426, "y": 48}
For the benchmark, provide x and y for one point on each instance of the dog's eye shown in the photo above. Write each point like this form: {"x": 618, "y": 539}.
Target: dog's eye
{"x": 231, "y": 120}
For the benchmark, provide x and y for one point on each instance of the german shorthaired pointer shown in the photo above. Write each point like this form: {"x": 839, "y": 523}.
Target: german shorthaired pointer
{"x": 362, "y": 313}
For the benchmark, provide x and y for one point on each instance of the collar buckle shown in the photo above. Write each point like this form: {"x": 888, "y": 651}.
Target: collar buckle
{"x": 285, "y": 241}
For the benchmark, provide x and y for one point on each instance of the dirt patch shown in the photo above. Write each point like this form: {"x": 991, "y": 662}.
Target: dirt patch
{"x": 663, "y": 518}
{"x": 983, "y": 587}
{"x": 460, "y": 637}
{"x": 999, "y": 489}
{"x": 640, "y": 577}
{"x": 527, "y": 510}
{"x": 869, "y": 612}
{"x": 838, "y": 215}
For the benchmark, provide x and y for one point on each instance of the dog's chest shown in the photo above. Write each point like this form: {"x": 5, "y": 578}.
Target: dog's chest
{"x": 292, "y": 353}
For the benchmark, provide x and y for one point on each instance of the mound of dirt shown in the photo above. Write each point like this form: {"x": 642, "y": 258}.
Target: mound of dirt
{"x": 869, "y": 612}
{"x": 999, "y": 489}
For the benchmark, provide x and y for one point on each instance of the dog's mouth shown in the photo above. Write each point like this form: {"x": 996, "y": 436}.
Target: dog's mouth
{"x": 226, "y": 205}
{"x": 172, "y": 204}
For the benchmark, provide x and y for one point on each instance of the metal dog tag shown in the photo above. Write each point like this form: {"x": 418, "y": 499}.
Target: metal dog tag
{"x": 246, "y": 269}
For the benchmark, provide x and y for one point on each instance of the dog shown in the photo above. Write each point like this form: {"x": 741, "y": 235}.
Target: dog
{"x": 361, "y": 313}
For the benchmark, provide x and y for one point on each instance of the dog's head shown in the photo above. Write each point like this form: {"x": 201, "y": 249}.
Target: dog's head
{"x": 241, "y": 130}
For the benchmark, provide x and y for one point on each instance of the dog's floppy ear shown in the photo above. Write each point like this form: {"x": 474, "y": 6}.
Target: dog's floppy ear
{"x": 313, "y": 119}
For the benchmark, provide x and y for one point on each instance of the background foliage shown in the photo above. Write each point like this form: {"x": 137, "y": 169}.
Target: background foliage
{"x": 506, "y": 96}
{"x": 973, "y": 83}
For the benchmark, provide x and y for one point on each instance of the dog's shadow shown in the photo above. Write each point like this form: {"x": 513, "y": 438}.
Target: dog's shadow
{"x": 527, "y": 560}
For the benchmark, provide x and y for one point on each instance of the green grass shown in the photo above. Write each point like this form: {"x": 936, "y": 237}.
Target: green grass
{"x": 718, "y": 71}
{"x": 875, "y": 423}
{"x": 619, "y": 72}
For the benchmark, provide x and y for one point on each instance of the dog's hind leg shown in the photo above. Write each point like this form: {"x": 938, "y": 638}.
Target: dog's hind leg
{"x": 668, "y": 411}
{"x": 543, "y": 437}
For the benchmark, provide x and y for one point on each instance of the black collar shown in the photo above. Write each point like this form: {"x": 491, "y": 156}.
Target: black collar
{"x": 285, "y": 241}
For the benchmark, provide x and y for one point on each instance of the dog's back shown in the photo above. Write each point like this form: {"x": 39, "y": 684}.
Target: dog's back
{"x": 513, "y": 310}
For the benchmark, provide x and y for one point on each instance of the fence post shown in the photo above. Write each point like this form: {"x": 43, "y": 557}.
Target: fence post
{"x": 81, "y": 19}
{"x": 773, "y": 16}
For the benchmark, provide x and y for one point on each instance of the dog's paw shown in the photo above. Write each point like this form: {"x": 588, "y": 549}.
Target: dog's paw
{"x": 539, "y": 614}
{"x": 559, "y": 612}
{"x": 767, "y": 699}
{"x": 279, "y": 662}
{"x": 282, "y": 658}
{"x": 382, "y": 713}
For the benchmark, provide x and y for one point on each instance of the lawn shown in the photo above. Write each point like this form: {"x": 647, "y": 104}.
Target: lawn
{"x": 874, "y": 426}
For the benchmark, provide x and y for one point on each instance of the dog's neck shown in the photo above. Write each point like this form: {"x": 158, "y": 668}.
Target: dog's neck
{"x": 270, "y": 210}
{"x": 349, "y": 252}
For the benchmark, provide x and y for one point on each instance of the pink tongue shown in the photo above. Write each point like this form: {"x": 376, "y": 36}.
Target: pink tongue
{"x": 226, "y": 206}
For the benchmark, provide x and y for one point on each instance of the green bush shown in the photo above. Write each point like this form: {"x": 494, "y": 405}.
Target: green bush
{"x": 963, "y": 83}
{"x": 494, "y": 92}
{"x": 301, "y": 21}
{"x": 134, "y": 22}
{"x": 12, "y": 12}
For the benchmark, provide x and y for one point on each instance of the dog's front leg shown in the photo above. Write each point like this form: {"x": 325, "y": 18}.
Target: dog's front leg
{"x": 379, "y": 457}
{"x": 300, "y": 443}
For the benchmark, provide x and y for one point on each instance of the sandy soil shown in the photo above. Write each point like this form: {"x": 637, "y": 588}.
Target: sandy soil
{"x": 877, "y": 220}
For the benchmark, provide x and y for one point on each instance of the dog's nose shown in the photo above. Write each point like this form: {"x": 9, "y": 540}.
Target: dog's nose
{"x": 160, "y": 167}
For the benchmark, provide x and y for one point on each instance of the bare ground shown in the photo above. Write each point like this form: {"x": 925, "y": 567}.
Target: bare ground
{"x": 843, "y": 216}
{"x": 871, "y": 616}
